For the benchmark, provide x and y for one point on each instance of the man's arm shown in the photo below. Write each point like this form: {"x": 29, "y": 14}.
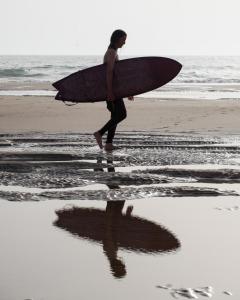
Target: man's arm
{"x": 110, "y": 66}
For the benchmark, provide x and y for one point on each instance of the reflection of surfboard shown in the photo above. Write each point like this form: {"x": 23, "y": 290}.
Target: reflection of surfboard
{"x": 132, "y": 77}
{"x": 128, "y": 232}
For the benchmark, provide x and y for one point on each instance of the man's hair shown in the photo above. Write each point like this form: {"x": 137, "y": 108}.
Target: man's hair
{"x": 116, "y": 35}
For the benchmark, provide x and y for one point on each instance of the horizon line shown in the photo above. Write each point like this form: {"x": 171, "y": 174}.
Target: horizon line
{"x": 171, "y": 54}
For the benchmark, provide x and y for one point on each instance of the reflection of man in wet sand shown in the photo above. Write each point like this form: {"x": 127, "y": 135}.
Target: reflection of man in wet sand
{"x": 114, "y": 229}
{"x": 110, "y": 241}
{"x": 113, "y": 221}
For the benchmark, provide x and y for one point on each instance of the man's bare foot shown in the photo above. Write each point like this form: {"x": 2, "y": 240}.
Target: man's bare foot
{"x": 109, "y": 147}
{"x": 98, "y": 138}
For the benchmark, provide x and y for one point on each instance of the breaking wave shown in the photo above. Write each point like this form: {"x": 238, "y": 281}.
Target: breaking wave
{"x": 18, "y": 72}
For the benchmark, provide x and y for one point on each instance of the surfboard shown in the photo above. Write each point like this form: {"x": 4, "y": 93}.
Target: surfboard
{"x": 132, "y": 77}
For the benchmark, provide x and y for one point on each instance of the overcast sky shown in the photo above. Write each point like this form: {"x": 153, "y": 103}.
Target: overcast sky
{"x": 154, "y": 27}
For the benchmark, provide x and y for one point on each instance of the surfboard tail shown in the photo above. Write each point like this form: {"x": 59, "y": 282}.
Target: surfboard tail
{"x": 58, "y": 96}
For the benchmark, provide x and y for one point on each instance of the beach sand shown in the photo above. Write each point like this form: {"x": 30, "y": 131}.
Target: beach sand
{"x": 44, "y": 114}
{"x": 177, "y": 164}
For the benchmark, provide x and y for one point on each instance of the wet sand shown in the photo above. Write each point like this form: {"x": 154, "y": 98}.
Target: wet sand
{"x": 157, "y": 218}
{"x": 42, "y": 261}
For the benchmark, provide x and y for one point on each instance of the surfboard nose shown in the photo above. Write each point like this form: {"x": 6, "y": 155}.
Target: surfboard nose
{"x": 178, "y": 66}
{"x": 165, "y": 69}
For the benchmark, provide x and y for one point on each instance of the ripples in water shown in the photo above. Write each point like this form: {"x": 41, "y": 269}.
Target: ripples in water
{"x": 70, "y": 166}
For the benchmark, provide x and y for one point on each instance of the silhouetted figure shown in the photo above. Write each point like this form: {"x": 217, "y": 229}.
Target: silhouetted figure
{"x": 115, "y": 106}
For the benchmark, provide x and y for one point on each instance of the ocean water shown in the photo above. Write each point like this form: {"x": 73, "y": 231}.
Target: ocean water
{"x": 202, "y": 77}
